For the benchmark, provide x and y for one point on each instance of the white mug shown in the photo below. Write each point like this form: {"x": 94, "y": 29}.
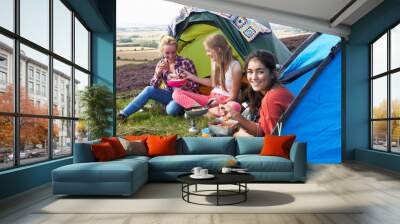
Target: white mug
{"x": 203, "y": 172}
{"x": 196, "y": 171}
{"x": 226, "y": 170}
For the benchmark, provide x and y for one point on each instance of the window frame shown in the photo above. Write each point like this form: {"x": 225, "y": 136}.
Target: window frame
{"x": 16, "y": 114}
{"x": 388, "y": 74}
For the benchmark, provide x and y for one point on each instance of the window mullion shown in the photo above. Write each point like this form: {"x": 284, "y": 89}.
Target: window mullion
{"x": 50, "y": 81}
{"x": 16, "y": 84}
{"x": 389, "y": 106}
{"x": 73, "y": 81}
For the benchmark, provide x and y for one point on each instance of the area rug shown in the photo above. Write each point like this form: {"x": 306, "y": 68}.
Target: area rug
{"x": 166, "y": 198}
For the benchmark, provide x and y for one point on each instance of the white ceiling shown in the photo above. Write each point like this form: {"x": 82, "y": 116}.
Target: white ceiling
{"x": 314, "y": 15}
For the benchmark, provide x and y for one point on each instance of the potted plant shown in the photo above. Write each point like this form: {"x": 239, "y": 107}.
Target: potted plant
{"x": 96, "y": 102}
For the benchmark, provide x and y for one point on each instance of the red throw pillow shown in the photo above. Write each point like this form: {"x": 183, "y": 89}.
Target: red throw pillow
{"x": 116, "y": 145}
{"x": 161, "y": 145}
{"x": 103, "y": 151}
{"x": 277, "y": 145}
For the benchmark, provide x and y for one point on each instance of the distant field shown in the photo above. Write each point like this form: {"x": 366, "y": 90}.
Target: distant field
{"x": 123, "y": 62}
{"x": 147, "y": 34}
{"x": 138, "y": 55}
{"x": 121, "y": 47}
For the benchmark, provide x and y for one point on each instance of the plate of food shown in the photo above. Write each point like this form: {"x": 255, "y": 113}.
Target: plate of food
{"x": 222, "y": 127}
{"x": 197, "y": 111}
{"x": 176, "y": 82}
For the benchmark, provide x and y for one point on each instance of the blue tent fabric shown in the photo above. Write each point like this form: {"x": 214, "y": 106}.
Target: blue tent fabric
{"x": 315, "y": 115}
{"x": 317, "y": 50}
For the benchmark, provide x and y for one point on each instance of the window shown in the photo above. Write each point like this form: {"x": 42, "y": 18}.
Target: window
{"x": 62, "y": 140}
{"x": 6, "y": 74}
{"x": 81, "y": 45}
{"x": 44, "y": 77}
{"x": 30, "y": 88}
{"x": 3, "y": 61}
{"x": 38, "y": 89}
{"x": 62, "y": 75}
{"x": 3, "y": 78}
{"x": 7, "y": 142}
{"x": 30, "y": 73}
{"x": 385, "y": 94}
{"x": 7, "y": 14}
{"x": 44, "y": 91}
{"x": 81, "y": 81}
{"x": 55, "y": 126}
{"x": 37, "y": 74}
{"x": 62, "y": 29}
{"x": 3, "y": 72}
{"x": 34, "y": 21}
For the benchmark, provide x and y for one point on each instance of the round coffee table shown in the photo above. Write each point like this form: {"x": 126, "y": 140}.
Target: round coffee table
{"x": 238, "y": 179}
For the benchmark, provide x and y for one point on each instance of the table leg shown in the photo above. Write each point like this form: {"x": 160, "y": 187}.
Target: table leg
{"x": 245, "y": 191}
{"x": 217, "y": 194}
{"x": 196, "y": 188}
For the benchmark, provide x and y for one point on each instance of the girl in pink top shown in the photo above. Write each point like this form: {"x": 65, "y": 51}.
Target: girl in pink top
{"x": 225, "y": 78}
{"x": 261, "y": 74}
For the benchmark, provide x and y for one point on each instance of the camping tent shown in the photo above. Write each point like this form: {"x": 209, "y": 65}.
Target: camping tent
{"x": 196, "y": 25}
{"x": 313, "y": 74}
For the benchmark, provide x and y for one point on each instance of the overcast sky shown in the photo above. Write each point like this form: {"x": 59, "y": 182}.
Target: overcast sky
{"x": 147, "y": 12}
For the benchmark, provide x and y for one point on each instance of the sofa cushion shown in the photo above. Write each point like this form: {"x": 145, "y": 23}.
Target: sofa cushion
{"x": 200, "y": 145}
{"x": 112, "y": 171}
{"x": 257, "y": 163}
{"x": 185, "y": 163}
{"x": 249, "y": 145}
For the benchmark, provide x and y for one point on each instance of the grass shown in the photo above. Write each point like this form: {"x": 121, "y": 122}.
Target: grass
{"x": 154, "y": 121}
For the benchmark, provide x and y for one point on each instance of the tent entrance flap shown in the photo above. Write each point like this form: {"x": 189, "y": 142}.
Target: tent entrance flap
{"x": 190, "y": 45}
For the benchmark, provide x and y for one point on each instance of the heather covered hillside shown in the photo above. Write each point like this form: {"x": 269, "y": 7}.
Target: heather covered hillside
{"x": 134, "y": 76}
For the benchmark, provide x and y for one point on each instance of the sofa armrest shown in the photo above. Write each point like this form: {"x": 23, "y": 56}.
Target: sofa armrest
{"x": 83, "y": 152}
{"x": 298, "y": 155}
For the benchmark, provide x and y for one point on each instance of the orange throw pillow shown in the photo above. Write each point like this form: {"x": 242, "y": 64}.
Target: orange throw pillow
{"x": 103, "y": 152}
{"x": 277, "y": 145}
{"x": 161, "y": 145}
{"x": 116, "y": 145}
{"x": 135, "y": 138}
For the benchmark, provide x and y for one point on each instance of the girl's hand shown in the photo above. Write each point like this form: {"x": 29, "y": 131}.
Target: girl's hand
{"x": 186, "y": 75}
{"x": 162, "y": 66}
{"x": 228, "y": 111}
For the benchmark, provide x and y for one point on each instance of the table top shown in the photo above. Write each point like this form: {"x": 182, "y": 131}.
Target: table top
{"x": 220, "y": 178}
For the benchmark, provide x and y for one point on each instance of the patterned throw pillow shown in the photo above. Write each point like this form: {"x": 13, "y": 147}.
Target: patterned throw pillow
{"x": 116, "y": 144}
{"x": 135, "y": 147}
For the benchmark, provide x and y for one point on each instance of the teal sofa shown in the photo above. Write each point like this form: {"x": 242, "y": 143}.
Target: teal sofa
{"x": 125, "y": 176}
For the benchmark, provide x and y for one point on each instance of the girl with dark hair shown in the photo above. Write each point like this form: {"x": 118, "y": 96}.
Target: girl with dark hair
{"x": 266, "y": 95}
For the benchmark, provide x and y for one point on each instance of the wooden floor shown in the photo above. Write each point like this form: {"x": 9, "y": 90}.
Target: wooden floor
{"x": 379, "y": 190}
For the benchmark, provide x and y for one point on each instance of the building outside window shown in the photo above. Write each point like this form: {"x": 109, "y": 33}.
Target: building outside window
{"x": 30, "y": 72}
{"x": 38, "y": 89}
{"x": 43, "y": 90}
{"x": 30, "y": 87}
{"x": 37, "y": 75}
{"x": 385, "y": 92}
{"x": 3, "y": 78}
{"x": 3, "y": 71}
